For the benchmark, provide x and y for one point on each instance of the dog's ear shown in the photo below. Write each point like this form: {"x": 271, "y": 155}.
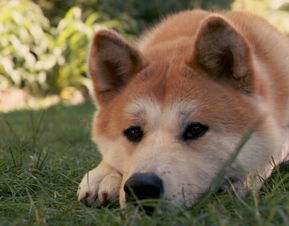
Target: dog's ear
{"x": 222, "y": 52}
{"x": 112, "y": 63}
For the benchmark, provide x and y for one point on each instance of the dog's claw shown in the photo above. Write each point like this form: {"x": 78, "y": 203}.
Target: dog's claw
{"x": 87, "y": 201}
{"x": 99, "y": 187}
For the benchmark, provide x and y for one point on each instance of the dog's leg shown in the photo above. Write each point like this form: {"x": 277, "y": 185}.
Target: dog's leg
{"x": 100, "y": 186}
{"x": 256, "y": 179}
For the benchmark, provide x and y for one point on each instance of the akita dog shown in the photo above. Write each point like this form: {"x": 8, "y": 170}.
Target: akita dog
{"x": 173, "y": 108}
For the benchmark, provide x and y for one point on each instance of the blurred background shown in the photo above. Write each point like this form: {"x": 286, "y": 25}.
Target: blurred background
{"x": 44, "y": 43}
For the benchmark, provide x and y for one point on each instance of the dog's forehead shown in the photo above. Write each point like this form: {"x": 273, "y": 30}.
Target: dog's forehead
{"x": 168, "y": 95}
{"x": 177, "y": 95}
{"x": 148, "y": 109}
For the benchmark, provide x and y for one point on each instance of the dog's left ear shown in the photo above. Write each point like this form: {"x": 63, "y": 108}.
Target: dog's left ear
{"x": 223, "y": 53}
{"x": 112, "y": 63}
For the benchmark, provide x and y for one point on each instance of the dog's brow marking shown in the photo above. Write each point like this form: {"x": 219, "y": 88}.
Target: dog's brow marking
{"x": 181, "y": 111}
{"x": 148, "y": 110}
{"x": 143, "y": 109}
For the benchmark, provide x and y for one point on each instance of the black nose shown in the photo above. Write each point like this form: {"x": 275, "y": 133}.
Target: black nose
{"x": 143, "y": 186}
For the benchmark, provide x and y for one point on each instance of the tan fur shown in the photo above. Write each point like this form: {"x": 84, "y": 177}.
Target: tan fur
{"x": 227, "y": 70}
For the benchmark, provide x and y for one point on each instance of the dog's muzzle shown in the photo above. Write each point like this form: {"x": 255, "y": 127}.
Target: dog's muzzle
{"x": 142, "y": 186}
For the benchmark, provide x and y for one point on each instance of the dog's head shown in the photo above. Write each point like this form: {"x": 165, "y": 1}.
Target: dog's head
{"x": 170, "y": 116}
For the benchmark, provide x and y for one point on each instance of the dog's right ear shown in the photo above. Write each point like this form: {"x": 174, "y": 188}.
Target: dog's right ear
{"x": 112, "y": 63}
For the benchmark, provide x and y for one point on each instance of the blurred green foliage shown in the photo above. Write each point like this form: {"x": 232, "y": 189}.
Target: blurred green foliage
{"x": 138, "y": 14}
{"x": 25, "y": 45}
{"x": 70, "y": 43}
{"x": 42, "y": 58}
{"x": 43, "y": 43}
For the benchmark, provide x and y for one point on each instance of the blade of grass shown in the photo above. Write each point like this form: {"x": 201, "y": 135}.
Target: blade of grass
{"x": 221, "y": 174}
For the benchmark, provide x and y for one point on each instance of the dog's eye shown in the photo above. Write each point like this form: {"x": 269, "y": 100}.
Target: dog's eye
{"x": 194, "y": 131}
{"x": 134, "y": 134}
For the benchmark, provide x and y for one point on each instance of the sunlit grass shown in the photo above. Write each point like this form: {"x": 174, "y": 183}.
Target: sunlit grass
{"x": 44, "y": 154}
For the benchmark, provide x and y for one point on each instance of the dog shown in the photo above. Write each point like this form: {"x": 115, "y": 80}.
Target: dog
{"x": 173, "y": 107}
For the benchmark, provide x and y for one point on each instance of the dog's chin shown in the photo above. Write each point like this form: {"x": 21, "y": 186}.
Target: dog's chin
{"x": 165, "y": 204}
{"x": 150, "y": 207}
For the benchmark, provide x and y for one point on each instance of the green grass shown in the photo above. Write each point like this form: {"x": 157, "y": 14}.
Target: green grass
{"x": 44, "y": 154}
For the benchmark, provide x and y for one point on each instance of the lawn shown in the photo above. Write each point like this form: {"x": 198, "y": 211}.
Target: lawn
{"x": 44, "y": 154}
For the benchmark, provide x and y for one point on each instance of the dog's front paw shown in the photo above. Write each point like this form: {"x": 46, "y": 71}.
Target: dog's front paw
{"x": 99, "y": 186}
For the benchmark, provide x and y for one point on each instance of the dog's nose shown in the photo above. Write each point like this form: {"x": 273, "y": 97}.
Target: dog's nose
{"x": 143, "y": 186}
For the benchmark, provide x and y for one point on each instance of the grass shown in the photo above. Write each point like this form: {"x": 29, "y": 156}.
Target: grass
{"x": 44, "y": 154}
